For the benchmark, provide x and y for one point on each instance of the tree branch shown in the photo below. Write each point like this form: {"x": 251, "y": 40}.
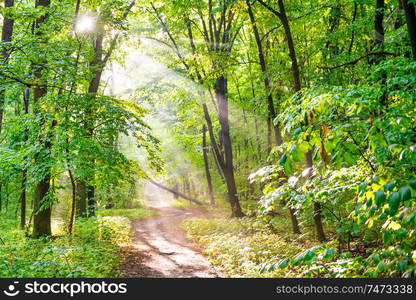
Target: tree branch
{"x": 358, "y": 59}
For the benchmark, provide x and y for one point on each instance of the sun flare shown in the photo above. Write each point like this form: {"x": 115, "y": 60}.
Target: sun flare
{"x": 85, "y": 24}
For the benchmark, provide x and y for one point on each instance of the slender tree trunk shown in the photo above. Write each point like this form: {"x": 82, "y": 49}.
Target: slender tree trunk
{"x": 206, "y": 164}
{"x": 295, "y": 71}
{"x": 219, "y": 160}
{"x": 6, "y": 37}
{"x": 73, "y": 202}
{"x": 24, "y": 171}
{"x": 221, "y": 94}
{"x": 291, "y": 46}
{"x": 378, "y": 23}
{"x": 91, "y": 200}
{"x": 23, "y": 200}
{"x": 262, "y": 60}
{"x": 217, "y": 164}
{"x": 409, "y": 10}
{"x": 258, "y": 141}
{"x": 85, "y": 191}
{"x": 317, "y": 216}
{"x": 41, "y": 204}
{"x": 295, "y": 223}
{"x": 379, "y": 42}
{"x": 398, "y": 20}
{"x": 317, "y": 211}
{"x": 81, "y": 196}
{"x": 354, "y": 17}
{"x": 289, "y": 40}
{"x": 269, "y": 134}
{"x": 97, "y": 66}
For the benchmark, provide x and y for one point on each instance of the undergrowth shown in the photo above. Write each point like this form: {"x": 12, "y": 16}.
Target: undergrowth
{"x": 241, "y": 247}
{"x": 132, "y": 214}
{"x": 262, "y": 247}
{"x": 92, "y": 251}
{"x": 182, "y": 203}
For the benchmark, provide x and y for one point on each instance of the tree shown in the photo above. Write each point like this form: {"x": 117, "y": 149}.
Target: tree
{"x": 409, "y": 10}
{"x": 42, "y": 204}
{"x": 206, "y": 164}
{"x": 6, "y": 38}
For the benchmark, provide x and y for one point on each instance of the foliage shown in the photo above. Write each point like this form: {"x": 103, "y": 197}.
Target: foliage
{"x": 314, "y": 99}
{"x": 91, "y": 252}
{"x": 243, "y": 247}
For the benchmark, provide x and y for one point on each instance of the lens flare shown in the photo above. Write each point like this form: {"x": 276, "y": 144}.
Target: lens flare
{"x": 85, "y": 24}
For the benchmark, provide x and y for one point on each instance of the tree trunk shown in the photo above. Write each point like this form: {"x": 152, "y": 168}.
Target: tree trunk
{"x": 84, "y": 189}
{"x": 221, "y": 94}
{"x": 24, "y": 171}
{"x": 317, "y": 211}
{"x": 291, "y": 46}
{"x": 97, "y": 66}
{"x": 6, "y": 37}
{"x": 295, "y": 223}
{"x": 295, "y": 71}
{"x": 317, "y": 216}
{"x": 42, "y": 209}
{"x": 81, "y": 199}
{"x": 41, "y": 204}
{"x": 206, "y": 164}
{"x": 269, "y": 134}
{"x": 91, "y": 200}
{"x": 379, "y": 42}
{"x": 23, "y": 200}
{"x": 262, "y": 60}
{"x": 219, "y": 160}
{"x": 73, "y": 202}
{"x": 378, "y": 22}
{"x": 409, "y": 10}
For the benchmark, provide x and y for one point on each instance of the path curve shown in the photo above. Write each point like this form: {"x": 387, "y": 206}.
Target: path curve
{"x": 161, "y": 248}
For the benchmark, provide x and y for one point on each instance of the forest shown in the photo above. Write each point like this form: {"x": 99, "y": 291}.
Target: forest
{"x": 268, "y": 138}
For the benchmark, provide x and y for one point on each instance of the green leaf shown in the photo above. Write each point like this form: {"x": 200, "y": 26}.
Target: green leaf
{"x": 283, "y": 263}
{"x": 217, "y": 9}
{"x": 389, "y": 186}
{"x": 380, "y": 198}
{"x": 283, "y": 159}
{"x": 329, "y": 254}
{"x": 297, "y": 131}
{"x": 394, "y": 202}
{"x": 405, "y": 193}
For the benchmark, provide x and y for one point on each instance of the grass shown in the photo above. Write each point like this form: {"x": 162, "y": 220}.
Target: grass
{"x": 92, "y": 251}
{"x": 182, "y": 203}
{"x": 140, "y": 213}
{"x": 263, "y": 246}
{"x": 243, "y": 247}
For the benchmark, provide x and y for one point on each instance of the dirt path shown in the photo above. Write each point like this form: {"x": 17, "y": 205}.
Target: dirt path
{"x": 161, "y": 248}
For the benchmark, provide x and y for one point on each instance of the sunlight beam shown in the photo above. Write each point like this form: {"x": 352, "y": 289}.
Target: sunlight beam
{"x": 85, "y": 24}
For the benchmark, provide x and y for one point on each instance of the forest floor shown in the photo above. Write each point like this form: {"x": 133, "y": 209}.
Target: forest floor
{"x": 160, "y": 247}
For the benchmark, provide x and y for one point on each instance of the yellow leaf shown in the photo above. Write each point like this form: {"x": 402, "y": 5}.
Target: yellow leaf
{"x": 394, "y": 226}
